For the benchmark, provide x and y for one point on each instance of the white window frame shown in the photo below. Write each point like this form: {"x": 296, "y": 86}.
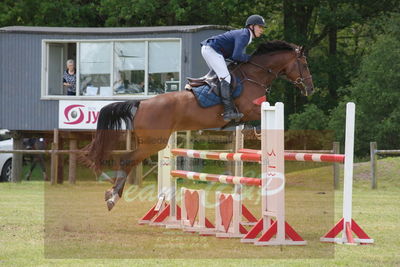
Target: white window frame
{"x": 44, "y": 68}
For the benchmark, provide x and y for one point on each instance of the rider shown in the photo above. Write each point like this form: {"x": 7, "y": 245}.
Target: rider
{"x": 230, "y": 45}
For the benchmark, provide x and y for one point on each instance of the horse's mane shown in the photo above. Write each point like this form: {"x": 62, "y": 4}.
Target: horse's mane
{"x": 274, "y": 46}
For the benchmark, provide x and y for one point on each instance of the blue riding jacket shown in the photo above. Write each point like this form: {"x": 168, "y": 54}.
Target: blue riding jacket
{"x": 231, "y": 44}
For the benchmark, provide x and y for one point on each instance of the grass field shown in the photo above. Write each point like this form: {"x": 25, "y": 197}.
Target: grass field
{"x": 65, "y": 225}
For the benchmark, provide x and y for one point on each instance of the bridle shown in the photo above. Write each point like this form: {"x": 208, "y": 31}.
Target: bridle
{"x": 298, "y": 81}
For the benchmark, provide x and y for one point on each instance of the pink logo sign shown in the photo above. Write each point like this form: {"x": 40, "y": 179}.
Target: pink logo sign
{"x": 76, "y": 114}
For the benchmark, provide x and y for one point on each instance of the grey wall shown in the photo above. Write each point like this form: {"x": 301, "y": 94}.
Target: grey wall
{"x": 20, "y": 74}
{"x": 20, "y": 85}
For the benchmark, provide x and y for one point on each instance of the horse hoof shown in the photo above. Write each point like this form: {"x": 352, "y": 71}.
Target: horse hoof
{"x": 110, "y": 204}
{"x": 108, "y": 194}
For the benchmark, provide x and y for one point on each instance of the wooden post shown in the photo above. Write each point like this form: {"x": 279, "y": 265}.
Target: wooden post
{"x": 54, "y": 158}
{"x": 336, "y": 150}
{"x": 374, "y": 158}
{"x": 188, "y": 163}
{"x": 60, "y": 169}
{"x": 138, "y": 174}
{"x": 73, "y": 145}
{"x": 230, "y": 165}
{"x": 16, "y": 164}
{"x": 239, "y": 144}
{"x": 133, "y": 174}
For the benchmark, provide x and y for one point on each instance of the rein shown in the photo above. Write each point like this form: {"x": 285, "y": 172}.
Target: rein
{"x": 298, "y": 81}
{"x": 268, "y": 71}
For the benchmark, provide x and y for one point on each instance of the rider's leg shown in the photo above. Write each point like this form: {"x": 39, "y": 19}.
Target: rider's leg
{"x": 216, "y": 62}
{"x": 230, "y": 112}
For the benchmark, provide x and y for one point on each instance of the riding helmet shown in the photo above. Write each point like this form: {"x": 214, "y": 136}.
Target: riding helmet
{"x": 255, "y": 20}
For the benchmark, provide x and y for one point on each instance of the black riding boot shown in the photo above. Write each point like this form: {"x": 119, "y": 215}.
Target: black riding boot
{"x": 230, "y": 112}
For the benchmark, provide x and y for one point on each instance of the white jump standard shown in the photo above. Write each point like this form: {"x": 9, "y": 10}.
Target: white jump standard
{"x": 347, "y": 225}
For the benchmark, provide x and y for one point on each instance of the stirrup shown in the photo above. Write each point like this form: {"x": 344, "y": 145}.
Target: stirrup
{"x": 232, "y": 116}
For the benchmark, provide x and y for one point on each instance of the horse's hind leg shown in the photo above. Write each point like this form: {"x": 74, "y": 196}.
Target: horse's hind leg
{"x": 125, "y": 165}
{"x": 115, "y": 193}
{"x": 148, "y": 142}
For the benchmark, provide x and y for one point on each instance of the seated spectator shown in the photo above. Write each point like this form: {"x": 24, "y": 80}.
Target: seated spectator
{"x": 69, "y": 78}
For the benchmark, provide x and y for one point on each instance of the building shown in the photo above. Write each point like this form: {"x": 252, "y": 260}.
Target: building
{"x": 112, "y": 64}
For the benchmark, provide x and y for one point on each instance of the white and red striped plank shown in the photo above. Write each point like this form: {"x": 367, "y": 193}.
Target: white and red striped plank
{"x": 226, "y": 179}
{"x": 302, "y": 156}
{"x": 216, "y": 155}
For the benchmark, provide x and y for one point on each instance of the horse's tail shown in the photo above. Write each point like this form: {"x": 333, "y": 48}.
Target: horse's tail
{"x": 109, "y": 126}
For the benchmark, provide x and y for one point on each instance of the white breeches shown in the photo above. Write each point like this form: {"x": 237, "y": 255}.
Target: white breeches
{"x": 216, "y": 62}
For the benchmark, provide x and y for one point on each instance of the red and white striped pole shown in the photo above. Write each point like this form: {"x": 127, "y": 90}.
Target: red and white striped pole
{"x": 225, "y": 179}
{"x": 302, "y": 156}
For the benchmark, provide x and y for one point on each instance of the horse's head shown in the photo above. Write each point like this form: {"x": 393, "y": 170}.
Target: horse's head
{"x": 282, "y": 58}
{"x": 297, "y": 72}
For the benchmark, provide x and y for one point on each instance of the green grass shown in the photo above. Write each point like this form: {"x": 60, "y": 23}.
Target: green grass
{"x": 64, "y": 225}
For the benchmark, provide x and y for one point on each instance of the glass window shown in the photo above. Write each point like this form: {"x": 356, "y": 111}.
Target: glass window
{"x": 55, "y": 70}
{"x": 164, "y": 66}
{"x": 94, "y": 68}
{"x": 111, "y": 68}
{"x": 129, "y": 68}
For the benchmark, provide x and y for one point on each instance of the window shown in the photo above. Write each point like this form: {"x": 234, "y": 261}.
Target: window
{"x": 94, "y": 68}
{"x": 129, "y": 68}
{"x": 112, "y": 68}
{"x": 164, "y": 65}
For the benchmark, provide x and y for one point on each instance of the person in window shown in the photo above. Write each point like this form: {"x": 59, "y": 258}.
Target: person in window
{"x": 231, "y": 45}
{"x": 69, "y": 78}
{"x": 155, "y": 85}
{"x": 119, "y": 84}
{"x": 170, "y": 76}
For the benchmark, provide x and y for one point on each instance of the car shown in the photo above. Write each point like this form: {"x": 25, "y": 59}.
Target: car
{"x": 6, "y": 143}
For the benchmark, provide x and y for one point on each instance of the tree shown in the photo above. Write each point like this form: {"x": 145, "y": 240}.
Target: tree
{"x": 310, "y": 23}
{"x": 376, "y": 93}
{"x": 67, "y": 13}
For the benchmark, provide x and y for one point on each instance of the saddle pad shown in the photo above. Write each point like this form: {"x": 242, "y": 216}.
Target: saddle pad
{"x": 207, "y": 98}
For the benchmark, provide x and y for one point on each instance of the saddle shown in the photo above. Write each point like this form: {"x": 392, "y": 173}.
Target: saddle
{"x": 210, "y": 79}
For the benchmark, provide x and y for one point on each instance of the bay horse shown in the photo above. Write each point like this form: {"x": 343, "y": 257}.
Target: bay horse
{"x": 153, "y": 120}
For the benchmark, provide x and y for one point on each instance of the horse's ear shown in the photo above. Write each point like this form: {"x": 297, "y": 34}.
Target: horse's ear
{"x": 302, "y": 49}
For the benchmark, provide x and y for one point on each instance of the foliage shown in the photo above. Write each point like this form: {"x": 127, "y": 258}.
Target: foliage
{"x": 307, "y": 130}
{"x": 323, "y": 27}
{"x": 376, "y": 92}
{"x": 75, "y": 13}
{"x": 312, "y": 118}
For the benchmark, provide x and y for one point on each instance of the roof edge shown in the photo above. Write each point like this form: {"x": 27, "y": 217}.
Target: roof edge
{"x": 112, "y": 30}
